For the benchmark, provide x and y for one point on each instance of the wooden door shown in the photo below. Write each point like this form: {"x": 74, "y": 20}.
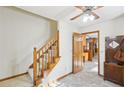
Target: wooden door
{"x": 77, "y": 53}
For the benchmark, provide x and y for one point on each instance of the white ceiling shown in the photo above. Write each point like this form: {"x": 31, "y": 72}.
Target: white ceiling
{"x": 66, "y": 12}
{"x": 46, "y": 11}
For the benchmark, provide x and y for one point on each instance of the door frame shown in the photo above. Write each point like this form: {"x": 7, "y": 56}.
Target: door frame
{"x": 98, "y": 33}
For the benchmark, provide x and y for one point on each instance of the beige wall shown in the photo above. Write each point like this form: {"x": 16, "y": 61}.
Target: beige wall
{"x": 54, "y": 28}
{"x": 20, "y": 31}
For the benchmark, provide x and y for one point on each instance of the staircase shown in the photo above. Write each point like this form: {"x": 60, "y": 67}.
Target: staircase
{"x": 44, "y": 60}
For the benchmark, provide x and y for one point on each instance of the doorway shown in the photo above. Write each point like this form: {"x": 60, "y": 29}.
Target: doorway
{"x": 86, "y": 48}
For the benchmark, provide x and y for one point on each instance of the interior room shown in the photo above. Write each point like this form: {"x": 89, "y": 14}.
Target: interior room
{"x": 61, "y": 46}
{"x": 91, "y": 49}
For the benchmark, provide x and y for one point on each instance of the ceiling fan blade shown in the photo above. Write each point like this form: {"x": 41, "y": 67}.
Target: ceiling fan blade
{"x": 97, "y": 7}
{"x": 76, "y": 16}
{"x": 80, "y": 7}
{"x": 94, "y": 14}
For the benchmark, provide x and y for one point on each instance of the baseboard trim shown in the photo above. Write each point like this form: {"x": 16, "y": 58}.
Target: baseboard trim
{"x": 14, "y": 76}
{"x": 63, "y": 76}
{"x": 72, "y": 73}
{"x": 101, "y": 75}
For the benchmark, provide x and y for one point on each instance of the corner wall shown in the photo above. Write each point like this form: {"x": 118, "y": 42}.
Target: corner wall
{"x": 65, "y": 40}
{"x": 110, "y": 28}
{"x": 20, "y": 32}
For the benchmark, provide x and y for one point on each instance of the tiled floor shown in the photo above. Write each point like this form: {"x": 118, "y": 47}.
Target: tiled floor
{"x": 88, "y": 77}
{"x": 21, "y": 81}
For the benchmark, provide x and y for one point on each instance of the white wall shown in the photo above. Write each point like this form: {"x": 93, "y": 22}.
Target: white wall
{"x": 20, "y": 32}
{"x": 65, "y": 65}
{"x": 110, "y": 28}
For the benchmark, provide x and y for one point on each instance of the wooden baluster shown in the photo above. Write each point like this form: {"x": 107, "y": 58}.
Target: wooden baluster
{"x": 57, "y": 43}
{"x": 39, "y": 64}
{"x": 51, "y": 54}
{"x": 54, "y": 55}
{"x": 42, "y": 70}
{"x": 56, "y": 49}
{"x": 35, "y": 66}
{"x": 45, "y": 56}
{"x": 48, "y": 60}
{"x": 48, "y": 65}
{"x": 52, "y": 50}
{"x": 44, "y": 61}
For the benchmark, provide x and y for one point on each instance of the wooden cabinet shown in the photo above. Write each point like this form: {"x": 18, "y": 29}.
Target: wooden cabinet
{"x": 114, "y": 73}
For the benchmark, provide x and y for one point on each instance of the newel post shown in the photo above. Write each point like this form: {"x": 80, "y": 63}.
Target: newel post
{"x": 35, "y": 66}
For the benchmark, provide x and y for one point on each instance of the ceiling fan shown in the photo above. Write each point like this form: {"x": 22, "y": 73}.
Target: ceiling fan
{"x": 87, "y": 12}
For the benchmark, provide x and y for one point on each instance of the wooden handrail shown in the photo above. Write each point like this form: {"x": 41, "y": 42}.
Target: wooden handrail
{"x": 43, "y": 59}
{"x": 45, "y": 47}
{"x": 56, "y": 36}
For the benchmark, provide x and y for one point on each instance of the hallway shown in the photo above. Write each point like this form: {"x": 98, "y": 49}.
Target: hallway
{"x": 86, "y": 78}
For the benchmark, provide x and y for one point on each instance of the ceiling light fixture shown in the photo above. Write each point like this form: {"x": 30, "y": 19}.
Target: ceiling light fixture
{"x": 87, "y": 17}
{"x": 91, "y": 17}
